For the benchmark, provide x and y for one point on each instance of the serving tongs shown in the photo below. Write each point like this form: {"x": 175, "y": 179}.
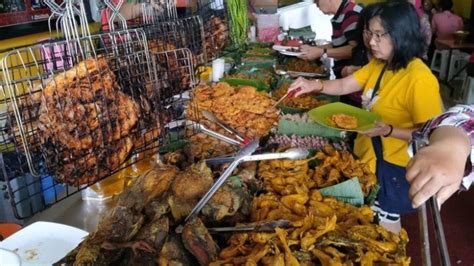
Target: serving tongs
{"x": 200, "y": 127}
{"x": 239, "y": 157}
{"x": 211, "y": 117}
{"x": 245, "y": 154}
{"x": 288, "y": 94}
{"x": 292, "y": 154}
{"x": 255, "y": 227}
{"x": 418, "y": 143}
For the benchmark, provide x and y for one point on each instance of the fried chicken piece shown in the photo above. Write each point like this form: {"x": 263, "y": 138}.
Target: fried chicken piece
{"x": 344, "y": 121}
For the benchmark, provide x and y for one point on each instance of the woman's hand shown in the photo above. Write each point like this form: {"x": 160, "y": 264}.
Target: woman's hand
{"x": 310, "y": 52}
{"x": 305, "y": 86}
{"x": 438, "y": 169}
{"x": 380, "y": 129}
{"x": 434, "y": 171}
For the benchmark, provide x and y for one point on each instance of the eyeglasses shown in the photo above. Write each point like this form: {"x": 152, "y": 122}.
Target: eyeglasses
{"x": 377, "y": 36}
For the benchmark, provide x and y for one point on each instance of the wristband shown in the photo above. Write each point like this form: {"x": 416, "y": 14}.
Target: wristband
{"x": 325, "y": 51}
{"x": 389, "y": 132}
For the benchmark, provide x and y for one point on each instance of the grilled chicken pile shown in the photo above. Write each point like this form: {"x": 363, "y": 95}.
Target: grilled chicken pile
{"x": 216, "y": 36}
{"x": 86, "y": 123}
{"x": 28, "y": 107}
{"x": 140, "y": 229}
{"x": 175, "y": 66}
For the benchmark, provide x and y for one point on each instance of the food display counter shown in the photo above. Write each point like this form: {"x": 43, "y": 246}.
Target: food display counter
{"x": 194, "y": 172}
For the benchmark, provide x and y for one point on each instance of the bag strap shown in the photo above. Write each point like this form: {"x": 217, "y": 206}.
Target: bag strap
{"x": 377, "y": 84}
{"x": 377, "y": 141}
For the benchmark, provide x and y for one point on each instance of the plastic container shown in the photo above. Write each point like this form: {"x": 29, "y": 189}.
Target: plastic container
{"x": 268, "y": 27}
{"x": 51, "y": 189}
{"x": 218, "y": 68}
{"x": 7, "y": 230}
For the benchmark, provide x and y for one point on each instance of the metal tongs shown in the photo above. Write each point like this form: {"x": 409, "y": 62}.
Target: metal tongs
{"x": 200, "y": 127}
{"x": 292, "y": 154}
{"x": 258, "y": 227}
{"x": 418, "y": 143}
{"x": 245, "y": 154}
{"x": 239, "y": 157}
{"x": 211, "y": 117}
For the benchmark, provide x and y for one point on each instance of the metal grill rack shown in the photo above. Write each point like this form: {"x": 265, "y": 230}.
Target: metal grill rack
{"x": 216, "y": 26}
{"x": 180, "y": 33}
{"x": 144, "y": 12}
{"x": 154, "y": 11}
{"x": 81, "y": 126}
{"x": 175, "y": 78}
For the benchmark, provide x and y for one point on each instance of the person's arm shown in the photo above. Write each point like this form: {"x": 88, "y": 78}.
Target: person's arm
{"x": 342, "y": 86}
{"x": 343, "y": 52}
{"x": 386, "y": 130}
{"x": 438, "y": 169}
{"x": 311, "y": 52}
{"x": 348, "y": 70}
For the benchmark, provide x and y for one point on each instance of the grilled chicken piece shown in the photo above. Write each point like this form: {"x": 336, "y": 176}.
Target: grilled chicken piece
{"x": 198, "y": 241}
{"x": 126, "y": 219}
{"x": 173, "y": 252}
{"x": 151, "y": 185}
{"x": 148, "y": 243}
{"x": 231, "y": 201}
{"x": 188, "y": 187}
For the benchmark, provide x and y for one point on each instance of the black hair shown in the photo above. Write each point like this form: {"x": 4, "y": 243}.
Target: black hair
{"x": 446, "y": 4}
{"x": 359, "y": 52}
{"x": 400, "y": 20}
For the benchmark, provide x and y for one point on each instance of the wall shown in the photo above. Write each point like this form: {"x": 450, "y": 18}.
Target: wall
{"x": 463, "y": 8}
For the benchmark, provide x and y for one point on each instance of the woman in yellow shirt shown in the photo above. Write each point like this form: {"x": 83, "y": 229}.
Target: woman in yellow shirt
{"x": 398, "y": 86}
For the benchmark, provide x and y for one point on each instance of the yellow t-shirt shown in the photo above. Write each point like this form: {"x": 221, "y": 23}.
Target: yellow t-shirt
{"x": 406, "y": 98}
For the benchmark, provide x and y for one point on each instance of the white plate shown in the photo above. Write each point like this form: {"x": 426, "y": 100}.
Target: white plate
{"x": 43, "y": 243}
{"x": 291, "y": 53}
{"x": 280, "y": 48}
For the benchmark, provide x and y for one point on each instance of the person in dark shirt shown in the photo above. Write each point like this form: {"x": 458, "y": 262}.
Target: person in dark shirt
{"x": 344, "y": 24}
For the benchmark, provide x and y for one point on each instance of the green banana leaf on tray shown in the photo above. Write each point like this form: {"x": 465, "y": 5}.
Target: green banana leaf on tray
{"x": 348, "y": 191}
{"x": 366, "y": 120}
{"x": 286, "y": 127}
